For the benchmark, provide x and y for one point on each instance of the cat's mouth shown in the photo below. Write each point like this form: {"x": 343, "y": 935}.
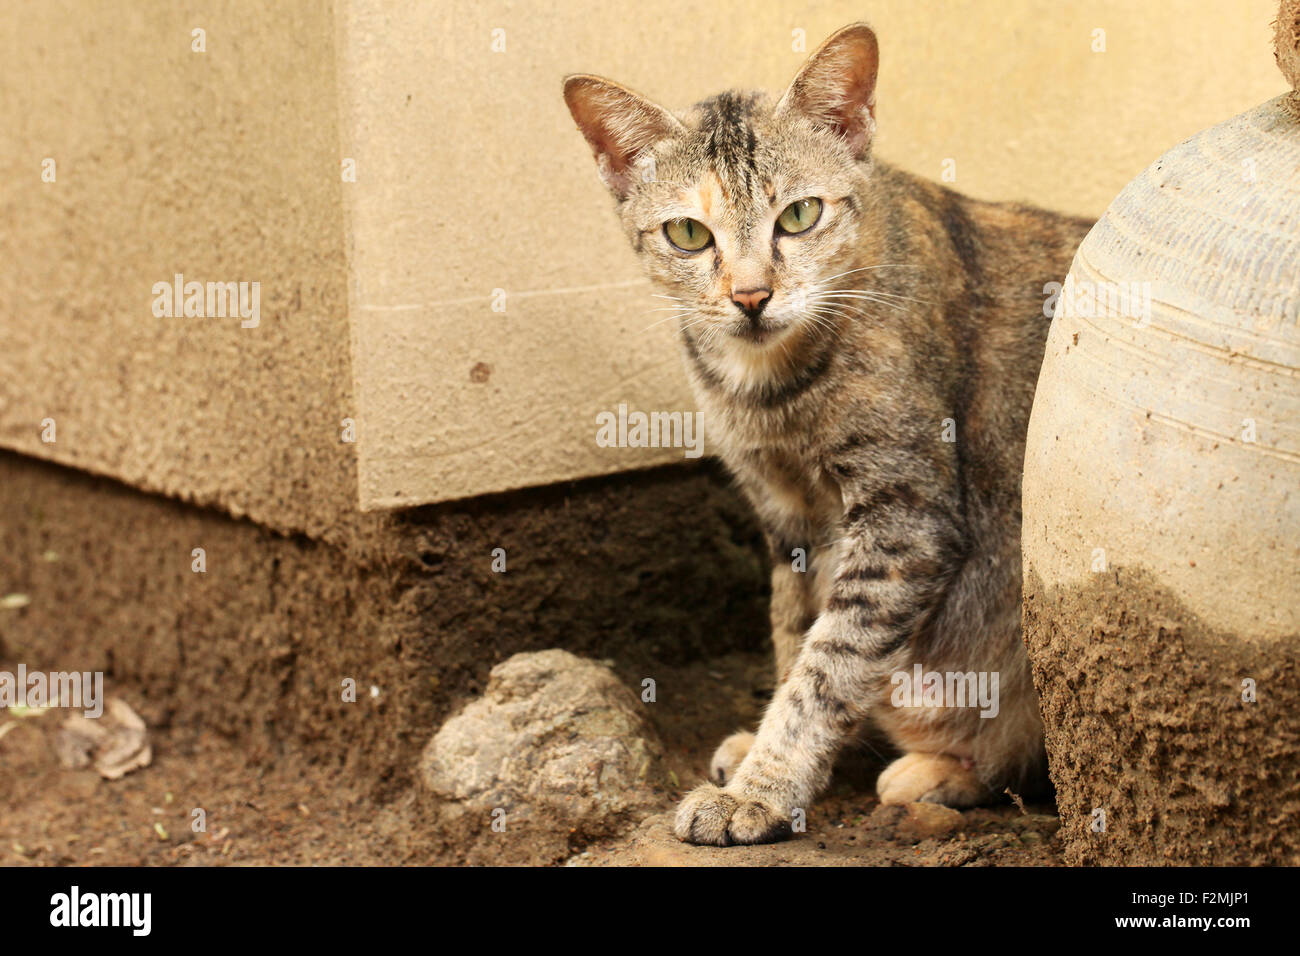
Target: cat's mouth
{"x": 757, "y": 331}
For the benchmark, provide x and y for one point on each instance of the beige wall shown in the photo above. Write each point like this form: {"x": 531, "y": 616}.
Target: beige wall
{"x": 470, "y": 178}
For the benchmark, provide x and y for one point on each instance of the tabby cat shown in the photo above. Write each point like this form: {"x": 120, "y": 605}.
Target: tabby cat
{"x": 864, "y": 345}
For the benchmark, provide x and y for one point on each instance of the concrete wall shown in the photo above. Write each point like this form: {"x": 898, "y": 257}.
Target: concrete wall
{"x": 222, "y": 166}
{"x": 225, "y": 165}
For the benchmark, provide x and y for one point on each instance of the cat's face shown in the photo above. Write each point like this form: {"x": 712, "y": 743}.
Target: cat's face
{"x": 741, "y": 215}
{"x": 743, "y": 210}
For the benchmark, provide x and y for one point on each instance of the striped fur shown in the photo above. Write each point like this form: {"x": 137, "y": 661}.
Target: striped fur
{"x": 908, "y": 316}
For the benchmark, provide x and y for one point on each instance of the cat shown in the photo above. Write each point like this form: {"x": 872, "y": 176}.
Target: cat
{"x": 864, "y": 345}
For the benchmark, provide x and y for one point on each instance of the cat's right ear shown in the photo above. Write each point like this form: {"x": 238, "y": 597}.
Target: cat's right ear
{"x": 619, "y": 125}
{"x": 836, "y": 88}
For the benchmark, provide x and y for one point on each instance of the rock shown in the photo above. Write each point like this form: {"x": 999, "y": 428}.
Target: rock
{"x": 556, "y": 740}
{"x": 914, "y": 822}
{"x": 1043, "y": 823}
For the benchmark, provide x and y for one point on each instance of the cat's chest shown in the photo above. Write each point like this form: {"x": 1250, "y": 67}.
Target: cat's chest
{"x": 744, "y": 428}
{"x": 773, "y": 451}
{"x": 790, "y": 492}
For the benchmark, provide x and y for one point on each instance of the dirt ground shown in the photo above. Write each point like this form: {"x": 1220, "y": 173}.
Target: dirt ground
{"x": 291, "y": 811}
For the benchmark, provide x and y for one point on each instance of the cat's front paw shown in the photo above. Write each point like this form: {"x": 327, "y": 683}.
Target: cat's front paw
{"x": 728, "y": 757}
{"x": 713, "y": 816}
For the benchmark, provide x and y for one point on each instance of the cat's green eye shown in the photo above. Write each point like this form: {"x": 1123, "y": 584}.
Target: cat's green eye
{"x": 688, "y": 235}
{"x": 800, "y": 216}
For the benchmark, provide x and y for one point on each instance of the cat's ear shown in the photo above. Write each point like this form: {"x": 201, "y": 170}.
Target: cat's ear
{"x": 836, "y": 88}
{"x": 618, "y": 124}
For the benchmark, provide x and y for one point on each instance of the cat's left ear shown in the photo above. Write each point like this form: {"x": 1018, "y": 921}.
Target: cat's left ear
{"x": 836, "y": 88}
{"x": 618, "y": 124}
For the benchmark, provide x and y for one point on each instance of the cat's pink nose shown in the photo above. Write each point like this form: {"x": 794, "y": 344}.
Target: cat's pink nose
{"x": 751, "y": 301}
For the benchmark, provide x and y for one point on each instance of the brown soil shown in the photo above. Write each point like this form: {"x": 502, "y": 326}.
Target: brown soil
{"x": 1146, "y": 720}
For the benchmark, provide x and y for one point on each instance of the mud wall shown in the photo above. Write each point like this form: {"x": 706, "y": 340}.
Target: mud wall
{"x": 1171, "y": 742}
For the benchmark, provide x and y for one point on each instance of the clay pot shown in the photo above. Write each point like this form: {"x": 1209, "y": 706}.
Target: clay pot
{"x": 1162, "y": 510}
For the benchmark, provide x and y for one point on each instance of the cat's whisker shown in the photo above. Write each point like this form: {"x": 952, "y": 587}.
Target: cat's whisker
{"x": 856, "y": 289}
{"x": 671, "y": 311}
{"x": 883, "y": 265}
{"x": 859, "y": 312}
{"x": 828, "y": 306}
{"x": 842, "y": 293}
{"x": 825, "y": 320}
{"x": 702, "y": 320}
{"x": 820, "y": 312}
{"x": 873, "y": 292}
{"x": 825, "y": 293}
{"x": 666, "y": 318}
{"x": 864, "y": 297}
{"x": 832, "y": 326}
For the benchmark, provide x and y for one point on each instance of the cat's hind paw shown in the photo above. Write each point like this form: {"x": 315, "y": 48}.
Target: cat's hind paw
{"x": 710, "y": 815}
{"x": 931, "y": 778}
{"x": 728, "y": 757}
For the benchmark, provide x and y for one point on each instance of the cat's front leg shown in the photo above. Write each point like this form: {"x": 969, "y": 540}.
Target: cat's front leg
{"x": 793, "y": 609}
{"x": 901, "y": 548}
{"x": 789, "y": 760}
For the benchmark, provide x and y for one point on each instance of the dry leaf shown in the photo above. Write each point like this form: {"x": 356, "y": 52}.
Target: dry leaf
{"x": 116, "y": 743}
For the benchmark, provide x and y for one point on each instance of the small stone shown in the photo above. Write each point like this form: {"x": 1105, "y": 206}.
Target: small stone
{"x": 914, "y": 822}
{"x": 554, "y": 739}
